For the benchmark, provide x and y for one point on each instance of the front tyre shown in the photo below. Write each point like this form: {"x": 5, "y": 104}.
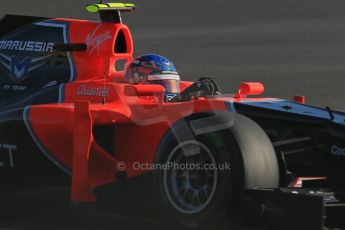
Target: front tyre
{"x": 197, "y": 188}
{"x": 188, "y": 188}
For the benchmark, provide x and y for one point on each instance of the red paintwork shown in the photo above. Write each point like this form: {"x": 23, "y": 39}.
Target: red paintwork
{"x": 82, "y": 141}
{"x": 299, "y": 99}
{"x": 97, "y": 63}
{"x": 250, "y": 88}
{"x": 98, "y": 96}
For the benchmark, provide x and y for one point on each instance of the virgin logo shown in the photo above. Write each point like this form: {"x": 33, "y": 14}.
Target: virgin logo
{"x": 95, "y": 39}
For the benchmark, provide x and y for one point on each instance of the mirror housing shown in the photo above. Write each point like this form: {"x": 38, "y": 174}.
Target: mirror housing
{"x": 250, "y": 88}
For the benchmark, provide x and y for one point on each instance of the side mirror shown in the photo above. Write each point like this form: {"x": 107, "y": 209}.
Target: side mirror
{"x": 250, "y": 88}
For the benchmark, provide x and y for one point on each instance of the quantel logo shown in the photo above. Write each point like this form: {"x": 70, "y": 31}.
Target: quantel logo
{"x": 84, "y": 90}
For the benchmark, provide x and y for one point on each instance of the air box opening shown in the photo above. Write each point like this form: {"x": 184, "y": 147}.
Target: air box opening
{"x": 120, "y": 43}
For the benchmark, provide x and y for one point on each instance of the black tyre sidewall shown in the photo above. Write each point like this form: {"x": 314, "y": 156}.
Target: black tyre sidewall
{"x": 222, "y": 203}
{"x": 253, "y": 162}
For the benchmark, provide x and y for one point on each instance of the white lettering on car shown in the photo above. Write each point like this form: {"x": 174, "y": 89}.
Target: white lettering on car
{"x": 33, "y": 46}
{"x": 337, "y": 151}
{"x": 9, "y": 149}
{"x": 95, "y": 39}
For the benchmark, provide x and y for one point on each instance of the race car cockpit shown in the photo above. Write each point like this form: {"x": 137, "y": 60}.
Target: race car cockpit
{"x": 155, "y": 69}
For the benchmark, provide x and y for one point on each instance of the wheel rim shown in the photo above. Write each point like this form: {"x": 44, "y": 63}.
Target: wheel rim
{"x": 190, "y": 190}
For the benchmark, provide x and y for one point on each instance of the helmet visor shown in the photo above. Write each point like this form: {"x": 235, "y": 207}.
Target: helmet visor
{"x": 170, "y": 81}
{"x": 171, "y": 86}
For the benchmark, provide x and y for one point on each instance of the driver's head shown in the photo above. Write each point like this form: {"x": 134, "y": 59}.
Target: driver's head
{"x": 154, "y": 69}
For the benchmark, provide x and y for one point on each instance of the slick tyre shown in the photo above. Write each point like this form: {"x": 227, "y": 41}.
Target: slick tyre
{"x": 206, "y": 174}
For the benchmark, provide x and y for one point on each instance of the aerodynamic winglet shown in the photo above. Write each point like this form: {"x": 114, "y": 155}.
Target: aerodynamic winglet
{"x": 111, "y": 12}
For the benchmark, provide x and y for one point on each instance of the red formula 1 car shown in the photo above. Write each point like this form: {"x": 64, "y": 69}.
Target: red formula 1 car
{"x": 67, "y": 116}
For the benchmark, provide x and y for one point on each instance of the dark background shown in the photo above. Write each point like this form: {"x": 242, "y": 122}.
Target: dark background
{"x": 292, "y": 46}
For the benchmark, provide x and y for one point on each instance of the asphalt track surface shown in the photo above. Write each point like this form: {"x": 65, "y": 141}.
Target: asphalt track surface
{"x": 294, "y": 47}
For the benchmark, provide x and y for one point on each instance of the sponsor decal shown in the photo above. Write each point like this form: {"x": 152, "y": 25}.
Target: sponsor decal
{"x": 337, "y": 151}
{"x": 95, "y": 39}
{"x": 20, "y": 69}
{"x": 14, "y": 87}
{"x": 31, "y": 46}
{"x": 8, "y": 158}
{"x": 84, "y": 90}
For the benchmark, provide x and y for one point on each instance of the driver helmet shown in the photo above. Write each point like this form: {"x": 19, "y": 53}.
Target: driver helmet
{"x": 154, "y": 69}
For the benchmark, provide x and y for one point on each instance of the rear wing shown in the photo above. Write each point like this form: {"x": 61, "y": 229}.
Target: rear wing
{"x": 111, "y": 12}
